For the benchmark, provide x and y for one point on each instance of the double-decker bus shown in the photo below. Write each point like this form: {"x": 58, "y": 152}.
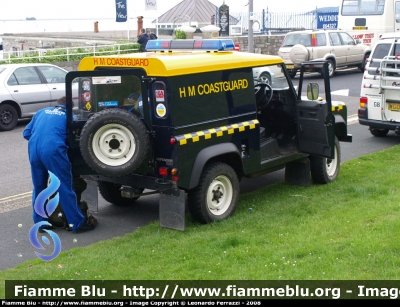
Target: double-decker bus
{"x": 366, "y": 20}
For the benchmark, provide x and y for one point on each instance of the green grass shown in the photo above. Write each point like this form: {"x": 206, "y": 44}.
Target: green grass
{"x": 346, "y": 230}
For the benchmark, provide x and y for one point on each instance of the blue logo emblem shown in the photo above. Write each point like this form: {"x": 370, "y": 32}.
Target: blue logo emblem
{"x": 45, "y": 211}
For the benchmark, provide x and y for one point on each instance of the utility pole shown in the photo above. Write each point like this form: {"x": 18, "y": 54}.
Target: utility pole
{"x": 250, "y": 32}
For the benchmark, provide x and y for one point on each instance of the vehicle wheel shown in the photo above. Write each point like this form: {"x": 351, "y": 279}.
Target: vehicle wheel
{"x": 216, "y": 196}
{"x": 324, "y": 170}
{"x": 331, "y": 69}
{"x": 111, "y": 193}
{"x": 364, "y": 63}
{"x": 378, "y": 132}
{"x": 292, "y": 73}
{"x": 266, "y": 77}
{"x": 114, "y": 142}
{"x": 8, "y": 117}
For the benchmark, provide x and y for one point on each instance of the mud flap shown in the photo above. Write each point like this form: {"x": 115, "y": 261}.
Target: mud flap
{"x": 298, "y": 172}
{"x": 90, "y": 194}
{"x": 172, "y": 211}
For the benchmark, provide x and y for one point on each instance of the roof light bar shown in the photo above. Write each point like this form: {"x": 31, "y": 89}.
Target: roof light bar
{"x": 188, "y": 44}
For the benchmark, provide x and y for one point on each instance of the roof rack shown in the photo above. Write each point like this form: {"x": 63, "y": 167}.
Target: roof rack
{"x": 188, "y": 44}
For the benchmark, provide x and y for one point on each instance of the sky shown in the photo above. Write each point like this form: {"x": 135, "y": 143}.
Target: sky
{"x": 82, "y": 9}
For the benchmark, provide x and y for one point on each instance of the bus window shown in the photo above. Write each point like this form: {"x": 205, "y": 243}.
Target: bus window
{"x": 363, "y": 7}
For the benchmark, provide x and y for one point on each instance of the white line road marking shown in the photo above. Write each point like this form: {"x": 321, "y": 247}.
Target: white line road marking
{"x": 341, "y": 93}
{"x": 15, "y": 202}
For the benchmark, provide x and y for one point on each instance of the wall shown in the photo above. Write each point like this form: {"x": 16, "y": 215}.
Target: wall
{"x": 264, "y": 44}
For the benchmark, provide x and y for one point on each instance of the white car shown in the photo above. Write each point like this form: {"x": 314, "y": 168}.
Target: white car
{"x": 27, "y": 88}
{"x": 267, "y": 74}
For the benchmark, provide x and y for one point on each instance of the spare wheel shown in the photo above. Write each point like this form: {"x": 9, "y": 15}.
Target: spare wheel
{"x": 114, "y": 142}
{"x": 299, "y": 54}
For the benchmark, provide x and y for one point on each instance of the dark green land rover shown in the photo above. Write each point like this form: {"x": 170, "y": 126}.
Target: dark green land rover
{"x": 189, "y": 118}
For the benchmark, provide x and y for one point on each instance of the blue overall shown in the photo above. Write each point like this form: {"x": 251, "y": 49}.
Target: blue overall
{"x": 47, "y": 150}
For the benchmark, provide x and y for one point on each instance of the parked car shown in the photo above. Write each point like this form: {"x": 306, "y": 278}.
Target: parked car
{"x": 335, "y": 46}
{"x": 27, "y": 88}
{"x": 267, "y": 73}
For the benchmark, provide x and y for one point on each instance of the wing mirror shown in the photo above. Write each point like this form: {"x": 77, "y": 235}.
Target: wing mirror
{"x": 312, "y": 91}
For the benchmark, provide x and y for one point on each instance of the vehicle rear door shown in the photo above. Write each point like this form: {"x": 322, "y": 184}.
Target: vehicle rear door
{"x": 338, "y": 49}
{"x": 26, "y": 87}
{"x": 354, "y": 52}
{"x": 55, "y": 78}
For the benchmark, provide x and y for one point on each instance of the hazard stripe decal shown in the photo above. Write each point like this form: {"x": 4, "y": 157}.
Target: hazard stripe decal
{"x": 338, "y": 106}
{"x": 216, "y": 132}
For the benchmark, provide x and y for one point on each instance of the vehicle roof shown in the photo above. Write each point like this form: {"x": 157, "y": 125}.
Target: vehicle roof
{"x": 390, "y": 35}
{"x": 17, "y": 65}
{"x": 315, "y": 31}
{"x": 165, "y": 64}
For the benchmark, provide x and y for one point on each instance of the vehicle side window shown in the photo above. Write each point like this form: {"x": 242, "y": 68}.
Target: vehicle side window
{"x": 53, "y": 74}
{"x": 347, "y": 39}
{"x": 321, "y": 39}
{"x": 397, "y": 11}
{"x": 382, "y": 50}
{"x": 335, "y": 39}
{"x": 26, "y": 75}
{"x": 12, "y": 80}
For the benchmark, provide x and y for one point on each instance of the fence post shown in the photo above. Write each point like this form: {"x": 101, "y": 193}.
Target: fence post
{"x": 119, "y": 48}
{"x": 67, "y": 54}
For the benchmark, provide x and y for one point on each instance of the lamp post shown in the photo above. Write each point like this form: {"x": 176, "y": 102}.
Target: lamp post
{"x": 250, "y": 32}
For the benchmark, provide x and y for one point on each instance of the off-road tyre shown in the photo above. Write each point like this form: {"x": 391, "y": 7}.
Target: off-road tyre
{"x": 111, "y": 193}
{"x": 8, "y": 117}
{"x": 324, "y": 170}
{"x": 217, "y": 180}
{"x": 114, "y": 142}
{"x": 378, "y": 132}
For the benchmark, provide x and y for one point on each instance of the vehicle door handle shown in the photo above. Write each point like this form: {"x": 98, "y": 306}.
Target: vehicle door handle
{"x": 15, "y": 91}
{"x": 312, "y": 113}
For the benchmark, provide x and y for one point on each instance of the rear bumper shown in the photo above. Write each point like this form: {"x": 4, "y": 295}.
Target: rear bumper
{"x": 379, "y": 124}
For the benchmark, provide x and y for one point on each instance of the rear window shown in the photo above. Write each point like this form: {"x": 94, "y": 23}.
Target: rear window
{"x": 382, "y": 50}
{"x": 294, "y": 39}
{"x": 2, "y": 69}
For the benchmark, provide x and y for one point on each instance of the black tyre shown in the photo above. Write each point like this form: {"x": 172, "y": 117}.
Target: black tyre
{"x": 266, "y": 77}
{"x": 364, "y": 63}
{"x": 292, "y": 73}
{"x": 216, "y": 196}
{"x": 8, "y": 117}
{"x": 331, "y": 69}
{"x": 324, "y": 170}
{"x": 114, "y": 142}
{"x": 378, "y": 132}
{"x": 111, "y": 193}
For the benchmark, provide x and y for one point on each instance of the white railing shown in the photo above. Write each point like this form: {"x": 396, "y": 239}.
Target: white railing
{"x": 66, "y": 54}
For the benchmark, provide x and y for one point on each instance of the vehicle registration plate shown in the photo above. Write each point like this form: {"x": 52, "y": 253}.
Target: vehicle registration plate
{"x": 290, "y": 66}
{"x": 394, "y": 106}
